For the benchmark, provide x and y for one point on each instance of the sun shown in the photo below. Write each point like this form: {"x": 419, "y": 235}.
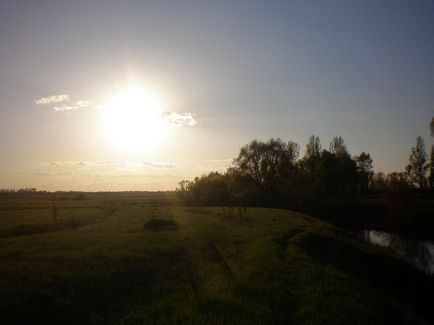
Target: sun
{"x": 133, "y": 120}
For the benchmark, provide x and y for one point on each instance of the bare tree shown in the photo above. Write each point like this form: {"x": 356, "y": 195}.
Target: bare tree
{"x": 338, "y": 147}
{"x": 431, "y": 168}
{"x": 431, "y": 163}
{"x": 418, "y": 165}
{"x": 431, "y": 126}
{"x": 313, "y": 147}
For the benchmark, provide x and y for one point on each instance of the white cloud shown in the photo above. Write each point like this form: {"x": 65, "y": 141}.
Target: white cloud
{"x": 158, "y": 165}
{"x": 66, "y": 108}
{"x": 179, "y": 119}
{"x": 62, "y": 173}
{"x": 66, "y": 163}
{"x": 52, "y": 99}
{"x": 63, "y": 103}
{"x": 112, "y": 163}
{"x": 83, "y": 103}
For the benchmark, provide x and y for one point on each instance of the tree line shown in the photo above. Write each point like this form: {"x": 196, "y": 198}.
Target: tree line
{"x": 272, "y": 173}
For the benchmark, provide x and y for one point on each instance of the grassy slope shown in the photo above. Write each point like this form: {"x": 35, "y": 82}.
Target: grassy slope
{"x": 99, "y": 265}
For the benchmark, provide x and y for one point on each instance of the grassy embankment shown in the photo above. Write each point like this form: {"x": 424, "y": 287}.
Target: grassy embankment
{"x": 95, "y": 262}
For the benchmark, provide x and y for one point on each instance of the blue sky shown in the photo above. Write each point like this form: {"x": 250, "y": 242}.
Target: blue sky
{"x": 242, "y": 70}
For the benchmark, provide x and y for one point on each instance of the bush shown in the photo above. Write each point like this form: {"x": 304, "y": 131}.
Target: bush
{"x": 161, "y": 224}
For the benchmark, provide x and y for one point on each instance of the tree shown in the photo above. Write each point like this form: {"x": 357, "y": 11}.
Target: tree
{"x": 378, "y": 182}
{"x": 336, "y": 173}
{"x": 267, "y": 164}
{"x": 293, "y": 152}
{"x": 418, "y": 165}
{"x": 431, "y": 163}
{"x": 397, "y": 181}
{"x": 338, "y": 147}
{"x": 431, "y": 126}
{"x": 431, "y": 168}
{"x": 206, "y": 190}
{"x": 313, "y": 147}
{"x": 311, "y": 160}
{"x": 365, "y": 172}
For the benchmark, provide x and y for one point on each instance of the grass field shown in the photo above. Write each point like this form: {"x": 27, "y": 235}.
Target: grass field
{"x": 99, "y": 259}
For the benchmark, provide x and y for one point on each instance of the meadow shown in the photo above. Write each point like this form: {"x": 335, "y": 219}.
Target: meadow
{"x": 141, "y": 258}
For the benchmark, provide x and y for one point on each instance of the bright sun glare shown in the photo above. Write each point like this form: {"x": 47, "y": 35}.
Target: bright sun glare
{"x": 133, "y": 120}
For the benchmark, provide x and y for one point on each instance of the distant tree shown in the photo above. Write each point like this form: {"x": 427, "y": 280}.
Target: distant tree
{"x": 364, "y": 165}
{"x": 184, "y": 191}
{"x": 207, "y": 190}
{"x": 338, "y": 147}
{"x": 378, "y": 181}
{"x": 293, "y": 152}
{"x": 431, "y": 168}
{"x": 431, "y": 126}
{"x": 417, "y": 167}
{"x": 431, "y": 162}
{"x": 311, "y": 161}
{"x": 397, "y": 181}
{"x": 313, "y": 147}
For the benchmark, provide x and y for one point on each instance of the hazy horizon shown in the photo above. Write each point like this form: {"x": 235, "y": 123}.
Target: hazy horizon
{"x": 138, "y": 95}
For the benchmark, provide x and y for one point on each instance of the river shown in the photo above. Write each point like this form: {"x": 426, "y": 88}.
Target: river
{"x": 420, "y": 253}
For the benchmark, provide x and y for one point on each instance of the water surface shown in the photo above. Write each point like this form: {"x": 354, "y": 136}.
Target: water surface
{"x": 420, "y": 253}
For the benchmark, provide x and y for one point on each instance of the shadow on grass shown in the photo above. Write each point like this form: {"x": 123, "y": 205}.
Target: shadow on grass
{"x": 160, "y": 224}
{"x": 42, "y": 228}
{"x": 394, "y": 278}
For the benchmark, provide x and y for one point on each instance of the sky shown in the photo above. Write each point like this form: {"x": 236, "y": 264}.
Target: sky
{"x": 138, "y": 95}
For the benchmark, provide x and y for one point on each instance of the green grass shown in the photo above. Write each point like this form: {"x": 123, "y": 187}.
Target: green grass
{"x": 100, "y": 264}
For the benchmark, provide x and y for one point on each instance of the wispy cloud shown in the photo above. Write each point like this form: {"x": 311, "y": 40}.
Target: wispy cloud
{"x": 63, "y": 103}
{"x": 179, "y": 119}
{"x": 84, "y": 103}
{"x": 158, "y": 165}
{"x": 66, "y": 163}
{"x": 65, "y": 108}
{"x": 63, "y": 173}
{"x": 52, "y": 99}
{"x": 112, "y": 163}
{"x": 73, "y": 106}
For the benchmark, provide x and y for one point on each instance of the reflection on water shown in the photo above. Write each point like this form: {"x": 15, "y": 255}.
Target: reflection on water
{"x": 418, "y": 252}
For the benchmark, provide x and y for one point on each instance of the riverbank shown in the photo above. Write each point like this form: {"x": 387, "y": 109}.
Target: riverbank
{"x": 411, "y": 214}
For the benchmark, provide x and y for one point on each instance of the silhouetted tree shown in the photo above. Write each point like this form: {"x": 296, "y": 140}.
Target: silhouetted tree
{"x": 208, "y": 189}
{"x": 397, "y": 181}
{"x": 338, "y": 147}
{"x": 418, "y": 165}
{"x": 310, "y": 164}
{"x": 313, "y": 147}
{"x": 336, "y": 173}
{"x": 267, "y": 163}
{"x": 431, "y": 162}
{"x": 293, "y": 152}
{"x": 364, "y": 167}
{"x": 242, "y": 189}
{"x": 378, "y": 181}
{"x": 431, "y": 168}
{"x": 184, "y": 191}
{"x": 431, "y": 126}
